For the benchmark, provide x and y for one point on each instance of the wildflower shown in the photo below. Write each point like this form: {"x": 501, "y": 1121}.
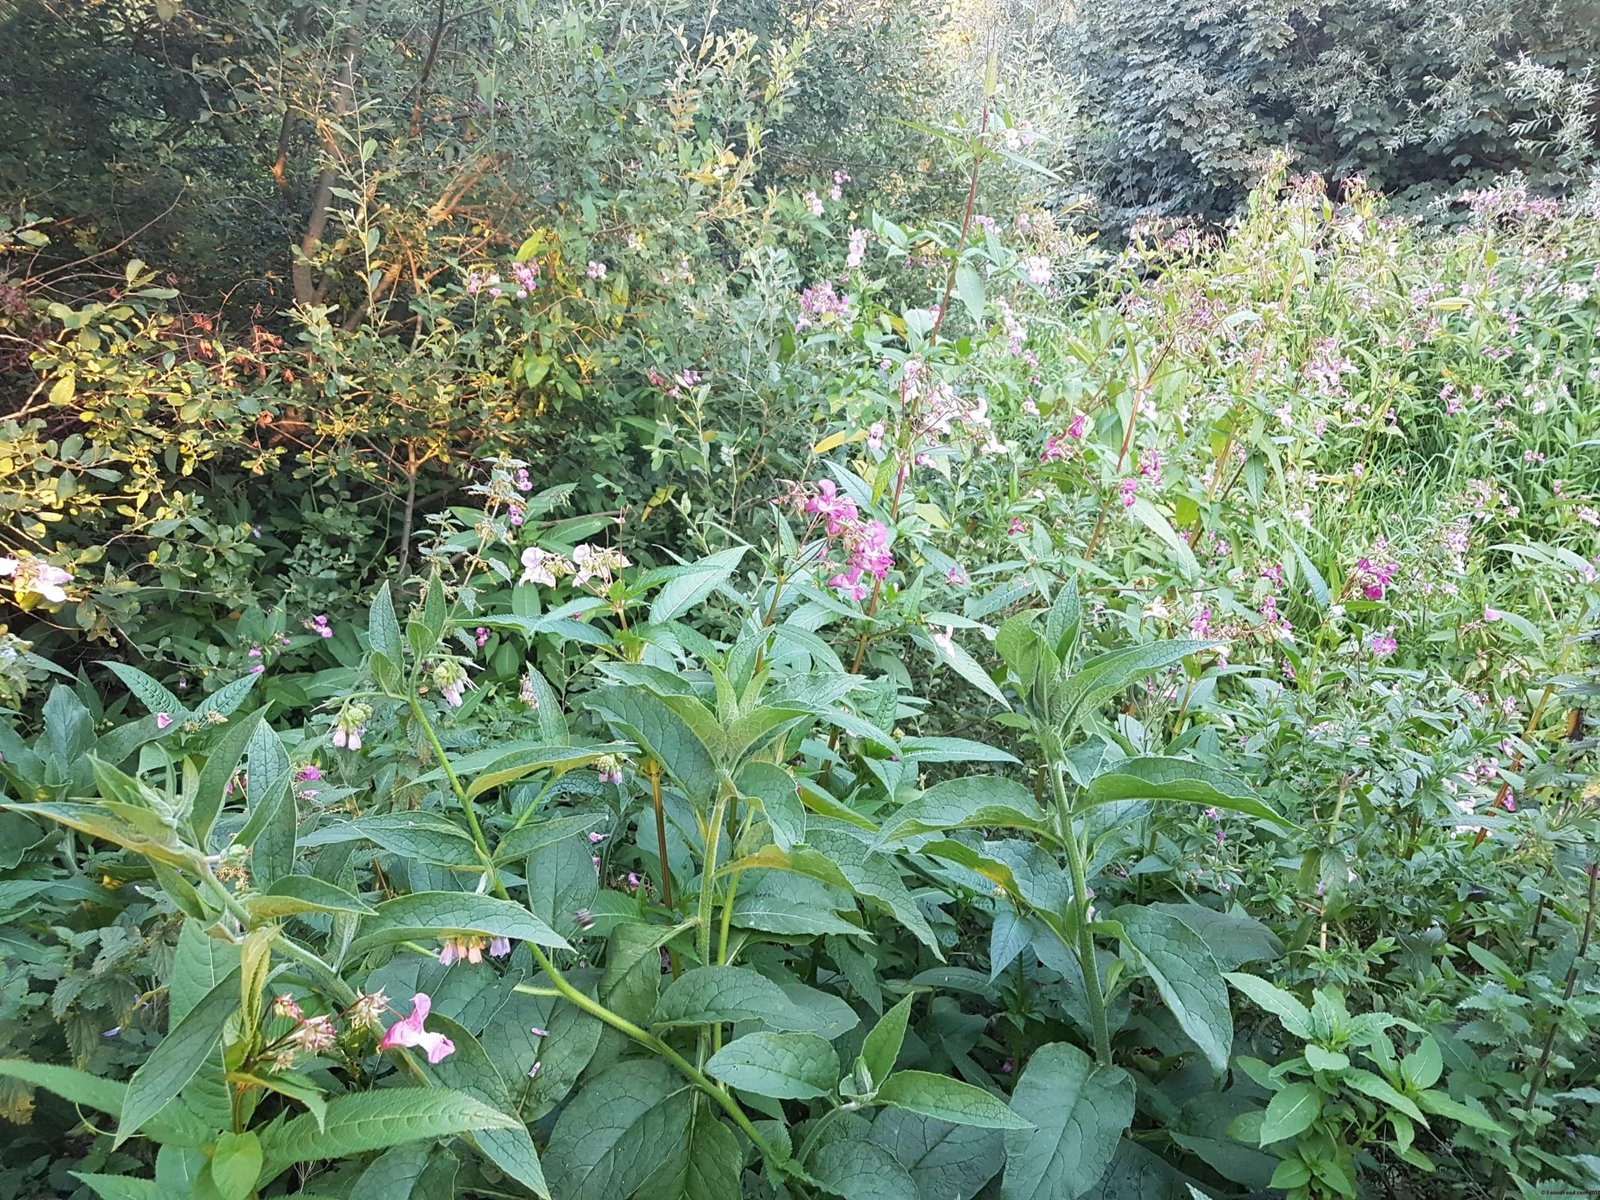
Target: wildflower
{"x": 499, "y": 947}
{"x": 409, "y": 1032}
{"x": 946, "y": 641}
{"x": 163, "y": 720}
{"x": 314, "y": 1035}
{"x": 1383, "y": 644}
{"x": 821, "y": 304}
{"x": 451, "y": 679}
{"x": 1053, "y": 450}
{"x": 595, "y": 837}
{"x": 1491, "y": 614}
{"x": 514, "y": 514}
{"x": 814, "y": 203}
{"x": 480, "y": 635}
{"x": 609, "y": 768}
{"x": 457, "y": 949}
{"x": 840, "y": 178}
{"x": 594, "y": 562}
{"x": 367, "y": 1011}
{"x": 525, "y": 691}
{"x": 37, "y": 578}
{"x": 540, "y": 566}
{"x": 957, "y": 576}
{"x": 1079, "y": 426}
{"x": 838, "y": 511}
{"x": 875, "y": 436}
{"x": 319, "y": 626}
{"x": 349, "y": 727}
{"x": 1038, "y": 270}
{"x": 597, "y": 270}
{"x": 1150, "y": 466}
{"x": 1128, "y": 491}
{"x": 1017, "y": 527}
{"x": 285, "y": 1006}
{"x": 858, "y": 249}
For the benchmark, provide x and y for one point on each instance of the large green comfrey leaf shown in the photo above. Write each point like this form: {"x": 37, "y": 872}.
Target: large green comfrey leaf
{"x": 1104, "y": 675}
{"x": 178, "y": 1056}
{"x": 452, "y": 914}
{"x": 1187, "y": 977}
{"x": 424, "y": 836}
{"x": 944, "y": 1160}
{"x": 947, "y": 1099}
{"x": 970, "y": 802}
{"x": 662, "y": 732}
{"x": 1176, "y": 780}
{"x": 713, "y": 995}
{"x": 365, "y": 1121}
{"x": 1079, "y": 1112}
{"x": 470, "y": 1071}
{"x": 623, "y": 1125}
{"x": 858, "y": 1170}
{"x": 785, "y": 1066}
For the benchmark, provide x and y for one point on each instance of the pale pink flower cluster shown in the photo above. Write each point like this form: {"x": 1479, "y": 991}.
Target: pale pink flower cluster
{"x": 597, "y": 270}
{"x": 470, "y": 949}
{"x": 350, "y": 726}
{"x": 864, "y": 544}
{"x": 1039, "y": 270}
{"x": 821, "y": 304}
{"x": 450, "y": 677}
{"x": 35, "y": 577}
{"x": 858, "y": 248}
{"x": 836, "y": 192}
{"x": 677, "y": 385}
{"x": 524, "y": 279}
{"x": 1016, "y": 332}
{"x": 1326, "y": 368}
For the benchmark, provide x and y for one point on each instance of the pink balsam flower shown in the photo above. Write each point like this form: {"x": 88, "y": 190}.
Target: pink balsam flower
{"x": 408, "y": 1032}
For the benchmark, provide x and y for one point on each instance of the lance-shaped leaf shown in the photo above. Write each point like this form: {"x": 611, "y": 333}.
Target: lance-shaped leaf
{"x": 662, "y": 731}
{"x": 452, "y": 914}
{"x": 1107, "y": 674}
{"x": 536, "y": 835}
{"x": 470, "y": 1071}
{"x": 686, "y": 586}
{"x": 947, "y": 1099}
{"x": 295, "y": 894}
{"x": 520, "y": 763}
{"x": 1176, "y": 779}
{"x": 361, "y": 1122}
{"x": 177, "y": 1057}
{"x": 1296, "y": 1017}
{"x": 881, "y": 1049}
{"x": 112, "y": 825}
{"x": 1185, "y": 974}
{"x": 774, "y": 789}
{"x": 423, "y": 836}
{"x": 970, "y": 802}
{"x": 221, "y": 764}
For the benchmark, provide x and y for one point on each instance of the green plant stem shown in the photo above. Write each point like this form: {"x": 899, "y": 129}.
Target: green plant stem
{"x": 461, "y": 794}
{"x": 593, "y": 1007}
{"x": 708, "y": 872}
{"x": 1080, "y": 901}
{"x": 628, "y": 1029}
{"x": 341, "y": 990}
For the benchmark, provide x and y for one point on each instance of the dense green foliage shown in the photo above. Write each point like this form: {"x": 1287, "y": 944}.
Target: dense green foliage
{"x": 1185, "y": 100}
{"x": 695, "y": 638}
